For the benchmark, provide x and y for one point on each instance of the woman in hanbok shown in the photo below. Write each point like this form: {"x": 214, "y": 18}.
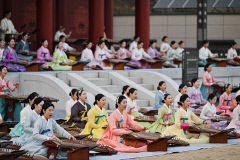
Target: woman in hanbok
{"x": 6, "y": 88}
{"x": 59, "y": 56}
{"x": 165, "y": 116}
{"x": 159, "y": 95}
{"x": 97, "y": 118}
{"x": 164, "y": 46}
{"x": 209, "y": 112}
{"x": 134, "y": 43}
{"x": 182, "y": 90}
{"x": 28, "y": 126}
{"x": 180, "y": 49}
{"x": 183, "y": 118}
{"x": 10, "y": 56}
{"x": 205, "y": 53}
{"x": 44, "y": 129}
{"x": 152, "y": 51}
{"x": 43, "y": 54}
{"x": 2, "y": 47}
{"x": 80, "y": 110}
{"x": 125, "y": 90}
{"x": 139, "y": 54}
{"x": 195, "y": 94}
{"x": 23, "y": 49}
{"x": 123, "y": 53}
{"x": 87, "y": 54}
{"x": 18, "y": 130}
{"x": 232, "y": 53}
{"x": 226, "y": 101}
{"x": 208, "y": 80}
{"x": 119, "y": 121}
{"x": 235, "y": 122}
{"x": 73, "y": 99}
{"x": 172, "y": 54}
{"x": 132, "y": 107}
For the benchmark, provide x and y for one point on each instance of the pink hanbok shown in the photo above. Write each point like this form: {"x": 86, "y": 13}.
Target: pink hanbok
{"x": 235, "y": 122}
{"x": 43, "y": 56}
{"x": 117, "y": 126}
{"x": 225, "y": 102}
{"x": 123, "y": 53}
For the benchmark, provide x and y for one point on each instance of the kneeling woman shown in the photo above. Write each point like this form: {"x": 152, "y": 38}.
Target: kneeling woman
{"x": 44, "y": 129}
{"x": 97, "y": 118}
{"x": 119, "y": 121}
{"x": 31, "y": 118}
{"x": 165, "y": 116}
{"x": 183, "y": 118}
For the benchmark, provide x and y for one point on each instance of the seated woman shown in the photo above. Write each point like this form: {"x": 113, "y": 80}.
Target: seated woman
{"x": 87, "y": 54}
{"x": 125, "y": 90}
{"x": 66, "y": 47}
{"x": 73, "y": 99}
{"x": 28, "y": 126}
{"x": 100, "y": 56}
{"x": 209, "y": 112}
{"x": 43, "y": 54}
{"x": 165, "y": 116}
{"x": 44, "y": 129}
{"x": 152, "y": 51}
{"x": 205, "y": 53}
{"x": 97, "y": 118}
{"x": 139, "y": 54}
{"x": 226, "y": 101}
{"x": 180, "y": 48}
{"x": 2, "y": 47}
{"x": 123, "y": 53}
{"x": 132, "y": 107}
{"x": 232, "y": 53}
{"x": 208, "y": 80}
{"x": 235, "y": 122}
{"x": 159, "y": 95}
{"x": 80, "y": 110}
{"x": 6, "y": 88}
{"x": 23, "y": 49}
{"x": 195, "y": 94}
{"x": 18, "y": 130}
{"x": 182, "y": 90}
{"x": 164, "y": 46}
{"x": 172, "y": 54}
{"x": 59, "y": 56}
{"x": 119, "y": 121}
{"x": 10, "y": 56}
{"x": 183, "y": 118}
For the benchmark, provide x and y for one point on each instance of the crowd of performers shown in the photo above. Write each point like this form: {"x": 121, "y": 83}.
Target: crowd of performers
{"x": 36, "y": 124}
{"x": 61, "y": 59}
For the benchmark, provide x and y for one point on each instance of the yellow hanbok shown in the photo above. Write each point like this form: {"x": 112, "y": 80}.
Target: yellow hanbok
{"x": 183, "y": 119}
{"x": 97, "y": 118}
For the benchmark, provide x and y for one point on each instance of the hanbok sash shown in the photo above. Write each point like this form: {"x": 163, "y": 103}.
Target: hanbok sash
{"x": 130, "y": 110}
{"x": 119, "y": 127}
{"x": 98, "y": 118}
{"x": 184, "y": 129}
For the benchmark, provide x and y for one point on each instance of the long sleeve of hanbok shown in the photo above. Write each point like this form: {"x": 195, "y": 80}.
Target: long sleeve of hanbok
{"x": 158, "y": 100}
{"x": 145, "y": 54}
{"x": 36, "y": 132}
{"x": 19, "y": 47}
{"x": 134, "y": 55}
{"x": 221, "y": 103}
{"x": 5, "y": 56}
{"x": 133, "y": 124}
{"x": 10, "y": 85}
{"x": 235, "y": 117}
{"x": 195, "y": 118}
{"x": 113, "y": 127}
{"x": 203, "y": 113}
{"x": 60, "y": 130}
{"x": 27, "y": 125}
{"x": 205, "y": 82}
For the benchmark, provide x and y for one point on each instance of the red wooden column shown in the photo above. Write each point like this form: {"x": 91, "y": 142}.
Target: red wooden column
{"x": 108, "y": 18}
{"x": 96, "y": 20}
{"x": 45, "y": 22}
{"x": 142, "y": 22}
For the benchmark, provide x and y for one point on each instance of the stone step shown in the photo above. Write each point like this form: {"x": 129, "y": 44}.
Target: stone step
{"x": 148, "y": 86}
{"x": 125, "y": 73}
{"x": 112, "y": 88}
{"x": 100, "y": 81}
{"x": 89, "y": 74}
{"x": 63, "y": 77}
{"x": 142, "y": 102}
{"x": 136, "y": 79}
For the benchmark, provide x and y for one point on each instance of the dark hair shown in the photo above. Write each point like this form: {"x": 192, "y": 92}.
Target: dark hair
{"x": 100, "y": 42}
{"x": 205, "y": 42}
{"x": 125, "y": 88}
{"x": 100, "y": 38}
{"x": 152, "y": 42}
{"x": 165, "y": 97}
{"x": 183, "y": 99}
{"x": 36, "y": 102}
{"x": 1, "y": 68}
{"x": 211, "y": 96}
{"x": 226, "y": 86}
{"x": 160, "y": 84}
{"x": 98, "y": 97}
{"x": 206, "y": 66}
{"x": 24, "y": 34}
{"x": 73, "y": 91}
{"x": 80, "y": 91}
{"x": 87, "y": 43}
{"x": 238, "y": 99}
{"x": 140, "y": 41}
{"x": 61, "y": 37}
{"x": 1, "y": 39}
{"x": 164, "y": 37}
{"x": 172, "y": 43}
{"x": 181, "y": 42}
{"x": 43, "y": 40}
{"x": 122, "y": 41}
{"x": 8, "y": 39}
{"x": 131, "y": 91}
{"x": 181, "y": 86}
{"x": 7, "y": 12}
{"x": 32, "y": 96}
{"x": 119, "y": 100}
{"x": 61, "y": 27}
{"x": 136, "y": 37}
{"x": 234, "y": 43}
{"x": 45, "y": 106}
{"x": 194, "y": 80}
